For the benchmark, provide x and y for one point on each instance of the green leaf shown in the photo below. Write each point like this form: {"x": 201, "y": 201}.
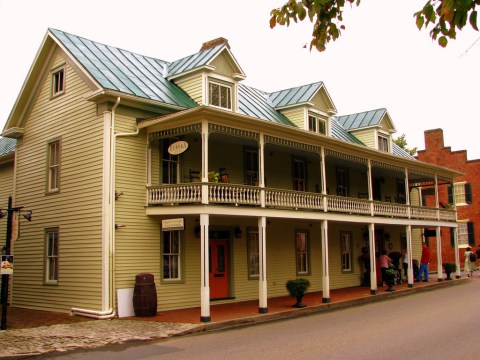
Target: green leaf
{"x": 473, "y": 19}
{"x": 420, "y": 21}
{"x": 442, "y": 41}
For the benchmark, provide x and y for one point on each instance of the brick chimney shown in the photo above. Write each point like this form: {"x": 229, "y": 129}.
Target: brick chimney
{"x": 433, "y": 139}
{"x": 215, "y": 42}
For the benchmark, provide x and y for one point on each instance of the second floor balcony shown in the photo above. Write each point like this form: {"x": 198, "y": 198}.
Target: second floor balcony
{"x": 241, "y": 167}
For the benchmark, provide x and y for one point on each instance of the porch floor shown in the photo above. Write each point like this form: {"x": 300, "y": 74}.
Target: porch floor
{"x": 282, "y": 306}
{"x": 241, "y": 312}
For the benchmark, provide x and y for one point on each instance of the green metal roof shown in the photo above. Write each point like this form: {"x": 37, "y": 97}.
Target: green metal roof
{"x": 338, "y": 132}
{"x": 7, "y": 145}
{"x": 361, "y": 120}
{"x": 256, "y": 103}
{"x": 293, "y": 96}
{"x": 194, "y": 61}
{"x": 124, "y": 71}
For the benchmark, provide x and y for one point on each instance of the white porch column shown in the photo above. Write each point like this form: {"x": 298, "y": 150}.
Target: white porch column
{"x": 204, "y": 262}
{"x": 439, "y": 255}
{"x": 323, "y": 174}
{"x": 457, "y": 256}
{"x": 373, "y": 263}
{"x": 325, "y": 265}
{"x": 204, "y": 162}
{"x": 408, "y": 230}
{"x": 261, "y": 170}
{"x": 370, "y": 190}
{"x": 262, "y": 264}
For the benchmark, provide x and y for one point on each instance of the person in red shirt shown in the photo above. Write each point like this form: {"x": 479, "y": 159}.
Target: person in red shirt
{"x": 424, "y": 264}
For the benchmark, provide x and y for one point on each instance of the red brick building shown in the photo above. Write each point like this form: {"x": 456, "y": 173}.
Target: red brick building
{"x": 467, "y": 194}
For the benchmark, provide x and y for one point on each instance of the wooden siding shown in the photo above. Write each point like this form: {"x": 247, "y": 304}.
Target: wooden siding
{"x": 320, "y": 103}
{"x": 223, "y": 66}
{"x": 366, "y": 136}
{"x": 76, "y": 208}
{"x": 192, "y": 85}
{"x": 297, "y": 116}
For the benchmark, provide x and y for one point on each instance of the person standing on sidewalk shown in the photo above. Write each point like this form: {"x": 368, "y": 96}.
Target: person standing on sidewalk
{"x": 424, "y": 263}
{"x": 469, "y": 265}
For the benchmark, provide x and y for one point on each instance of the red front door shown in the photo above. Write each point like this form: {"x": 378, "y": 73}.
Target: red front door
{"x": 219, "y": 269}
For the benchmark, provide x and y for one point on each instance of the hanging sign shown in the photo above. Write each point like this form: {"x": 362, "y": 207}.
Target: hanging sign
{"x": 177, "y": 147}
{"x": 6, "y": 265}
{"x": 173, "y": 224}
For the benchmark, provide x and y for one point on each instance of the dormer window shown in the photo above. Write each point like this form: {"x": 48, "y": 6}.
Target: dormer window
{"x": 220, "y": 95}
{"x": 317, "y": 124}
{"x": 383, "y": 143}
{"x": 58, "y": 82}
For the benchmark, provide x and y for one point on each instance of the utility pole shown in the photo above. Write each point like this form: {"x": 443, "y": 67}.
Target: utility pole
{"x": 6, "y": 277}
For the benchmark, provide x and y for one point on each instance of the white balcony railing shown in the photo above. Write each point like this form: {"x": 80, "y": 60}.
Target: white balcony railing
{"x": 219, "y": 193}
{"x": 293, "y": 199}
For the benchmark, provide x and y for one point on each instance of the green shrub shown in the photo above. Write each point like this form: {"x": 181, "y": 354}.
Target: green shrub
{"x": 297, "y": 287}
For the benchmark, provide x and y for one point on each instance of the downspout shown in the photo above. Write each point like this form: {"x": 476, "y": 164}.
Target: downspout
{"x": 110, "y": 313}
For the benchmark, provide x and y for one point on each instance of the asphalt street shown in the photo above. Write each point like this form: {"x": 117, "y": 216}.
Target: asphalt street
{"x": 440, "y": 324}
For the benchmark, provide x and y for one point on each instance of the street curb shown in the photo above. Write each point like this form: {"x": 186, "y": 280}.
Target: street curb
{"x": 291, "y": 313}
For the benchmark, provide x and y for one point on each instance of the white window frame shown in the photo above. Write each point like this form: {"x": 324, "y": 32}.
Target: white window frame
{"x": 220, "y": 105}
{"x": 314, "y": 122}
{"x": 53, "y": 166}
{"x": 383, "y": 143}
{"x": 460, "y": 193}
{"x": 346, "y": 247}
{"x": 172, "y": 258}
{"x": 253, "y": 254}
{"x": 51, "y": 256}
{"x": 302, "y": 252}
{"x": 58, "y": 82}
{"x": 171, "y": 162}
{"x": 462, "y": 234}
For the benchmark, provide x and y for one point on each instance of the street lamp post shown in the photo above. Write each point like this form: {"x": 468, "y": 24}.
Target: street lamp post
{"x": 6, "y": 277}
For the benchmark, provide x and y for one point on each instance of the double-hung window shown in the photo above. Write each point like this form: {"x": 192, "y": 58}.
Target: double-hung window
{"x": 253, "y": 254}
{"x": 383, "y": 143}
{"x": 171, "y": 248}
{"x": 251, "y": 166}
{"x": 463, "y": 193}
{"x": 53, "y": 171}
{"x": 169, "y": 163}
{"x": 317, "y": 124}
{"x": 220, "y": 95}
{"x": 58, "y": 82}
{"x": 299, "y": 175}
{"x": 302, "y": 247}
{"x": 346, "y": 251}
{"x": 51, "y": 256}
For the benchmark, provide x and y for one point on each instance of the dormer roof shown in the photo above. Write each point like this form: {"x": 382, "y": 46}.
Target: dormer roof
{"x": 372, "y": 118}
{"x": 300, "y": 95}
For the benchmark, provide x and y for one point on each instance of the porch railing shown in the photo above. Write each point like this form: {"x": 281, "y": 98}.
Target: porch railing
{"x": 293, "y": 199}
{"x": 220, "y": 193}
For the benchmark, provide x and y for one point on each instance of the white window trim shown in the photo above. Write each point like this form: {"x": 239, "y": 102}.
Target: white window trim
{"x": 53, "y": 168}
{"x": 48, "y": 257}
{"x": 462, "y": 234}
{"x": 346, "y": 252}
{"x": 387, "y": 138}
{"x": 228, "y": 85}
{"x": 318, "y": 118}
{"x": 54, "y": 83}
{"x": 307, "y": 270}
{"x": 179, "y": 260}
{"x": 456, "y": 195}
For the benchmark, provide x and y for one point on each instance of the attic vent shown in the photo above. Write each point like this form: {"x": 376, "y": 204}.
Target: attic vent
{"x": 213, "y": 43}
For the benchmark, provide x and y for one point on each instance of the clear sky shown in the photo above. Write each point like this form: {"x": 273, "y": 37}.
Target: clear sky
{"x": 380, "y": 61}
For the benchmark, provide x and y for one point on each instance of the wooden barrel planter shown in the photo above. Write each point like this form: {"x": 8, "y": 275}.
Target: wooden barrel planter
{"x": 144, "y": 296}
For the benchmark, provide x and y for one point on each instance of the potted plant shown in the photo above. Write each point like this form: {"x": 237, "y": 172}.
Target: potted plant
{"x": 297, "y": 288}
{"x": 213, "y": 176}
{"x": 449, "y": 269}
